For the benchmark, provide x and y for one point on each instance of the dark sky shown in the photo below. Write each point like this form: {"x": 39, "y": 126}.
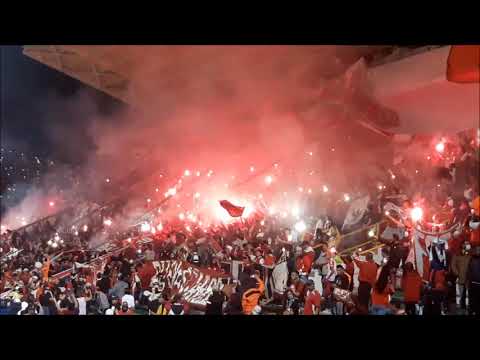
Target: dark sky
{"x": 36, "y": 99}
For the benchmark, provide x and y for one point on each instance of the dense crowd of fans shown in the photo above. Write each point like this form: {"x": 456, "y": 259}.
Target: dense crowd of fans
{"x": 324, "y": 276}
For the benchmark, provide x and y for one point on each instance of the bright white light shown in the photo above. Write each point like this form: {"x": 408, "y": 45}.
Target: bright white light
{"x": 387, "y": 212}
{"x": 49, "y": 242}
{"x": 300, "y": 189}
{"x": 76, "y": 233}
{"x": 188, "y": 228}
{"x": 51, "y": 203}
{"x": 198, "y": 173}
{"x": 262, "y": 222}
{"x": 333, "y": 250}
{"x": 371, "y": 233}
{"x": 249, "y": 209}
{"x": 197, "y": 195}
{"x": 309, "y": 191}
{"x": 271, "y": 210}
{"x": 156, "y": 190}
{"x": 24, "y": 223}
{"x": 416, "y": 213}
{"x": 268, "y": 179}
{"x": 108, "y": 222}
{"x": 346, "y": 197}
{"x": 325, "y": 188}
{"x": 440, "y": 147}
{"x": 149, "y": 200}
{"x": 145, "y": 227}
{"x": 310, "y": 153}
{"x": 107, "y": 180}
{"x": 139, "y": 251}
{"x": 181, "y": 216}
{"x": 153, "y": 230}
{"x": 406, "y": 233}
{"x": 252, "y": 169}
{"x": 54, "y": 245}
{"x": 300, "y": 226}
{"x": 129, "y": 240}
{"x": 276, "y": 165}
{"x": 160, "y": 227}
{"x": 56, "y": 237}
{"x": 187, "y": 172}
{"x": 393, "y": 176}
{"x": 172, "y": 191}
{"x": 289, "y": 237}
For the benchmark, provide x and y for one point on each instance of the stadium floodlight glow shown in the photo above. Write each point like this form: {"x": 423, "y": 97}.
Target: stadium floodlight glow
{"x": 371, "y": 233}
{"x": 416, "y": 214}
{"x": 186, "y": 172}
{"x": 51, "y": 203}
{"x": 300, "y": 226}
{"x": 346, "y": 197}
{"x": 108, "y": 222}
{"x": 325, "y": 188}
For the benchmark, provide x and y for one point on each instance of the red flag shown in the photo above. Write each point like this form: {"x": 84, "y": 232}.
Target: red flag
{"x": 463, "y": 65}
{"x": 234, "y": 211}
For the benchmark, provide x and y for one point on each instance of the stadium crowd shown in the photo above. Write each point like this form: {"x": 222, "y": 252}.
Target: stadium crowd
{"x": 44, "y": 272}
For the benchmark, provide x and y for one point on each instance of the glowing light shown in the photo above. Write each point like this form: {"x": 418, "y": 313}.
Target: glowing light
{"x": 428, "y": 157}
{"x": 252, "y": 169}
{"x": 300, "y": 226}
{"x": 333, "y": 250}
{"x": 107, "y": 180}
{"x": 260, "y": 196}
{"x": 333, "y": 149}
{"x": 346, "y": 197}
{"x": 153, "y": 230}
{"x": 51, "y": 203}
{"x": 416, "y": 213}
{"x": 188, "y": 228}
{"x": 200, "y": 223}
{"x": 262, "y": 222}
{"x": 145, "y": 227}
{"x": 360, "y": 249}
{"x": 56, "y": 237}
{"x": 371, "y": 233}
{"x": 49, "y": 242}
{"x": 309, "y": 191}
{"x": 160, "y": 227}
{"x": 284, "y": 214}
{"x": 197, "y": 195}
{"x": 380, "y": 186}
{"x": 76, "y": 233}
{"x": 289, "y": 237}
{"x": 186, "y": 172}
{"x": 310, "y": 153}
{"x": 139, "y": 251}
{"x": 393, "y": 176}
{"x": 172, "y": 191}
{"x": 325, "y": 188}
{"x": 440, "y": 147}
{"x": 416, "y": 171}
{"x": 198, "y": 173}
{"x": 156, "y": 190}
{"x": 149, "y": 200}
{"x": 181, "y": 216}
{"x": 300, "y": 189}
{"x": 387, "y": 213}
{"x": 271, "y": 210}
{"x": 275, "y": 165}
{"x": 24, "y": 223}
{"x": 129, "y": 240}
{"x": 406, "y": 233}
{"x": 54, "y": 245}
{"x": 268, "y": 179}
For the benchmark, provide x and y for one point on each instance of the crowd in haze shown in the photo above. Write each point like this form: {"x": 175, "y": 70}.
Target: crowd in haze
{"x": 326, "y": 273}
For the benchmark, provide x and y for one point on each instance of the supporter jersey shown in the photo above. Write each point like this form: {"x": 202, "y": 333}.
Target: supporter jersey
{"x": 312, "y": 302}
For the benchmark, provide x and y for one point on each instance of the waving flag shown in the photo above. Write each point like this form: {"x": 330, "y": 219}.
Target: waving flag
{"x": 234, "y": 211}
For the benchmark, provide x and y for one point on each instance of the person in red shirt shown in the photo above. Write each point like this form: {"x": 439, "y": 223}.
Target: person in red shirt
{"x": 124, "y": 310}
{"x": 412, "y": 287}
{"x": 367, "y": 277}
{"x": 313, "y": 299}
{"x": 381, "y": 293}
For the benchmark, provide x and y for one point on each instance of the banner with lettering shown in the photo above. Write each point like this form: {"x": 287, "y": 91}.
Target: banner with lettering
{"x": 195, "y": 284}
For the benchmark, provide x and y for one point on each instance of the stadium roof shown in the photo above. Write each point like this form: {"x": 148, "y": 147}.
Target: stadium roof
{"x": 411, "y": 81}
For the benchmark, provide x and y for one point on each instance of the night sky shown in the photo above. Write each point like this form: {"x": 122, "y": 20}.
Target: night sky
{"x": 37, "y": 99}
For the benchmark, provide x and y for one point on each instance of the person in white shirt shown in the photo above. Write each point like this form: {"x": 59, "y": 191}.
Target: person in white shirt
{"x": 128, "y": 298}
